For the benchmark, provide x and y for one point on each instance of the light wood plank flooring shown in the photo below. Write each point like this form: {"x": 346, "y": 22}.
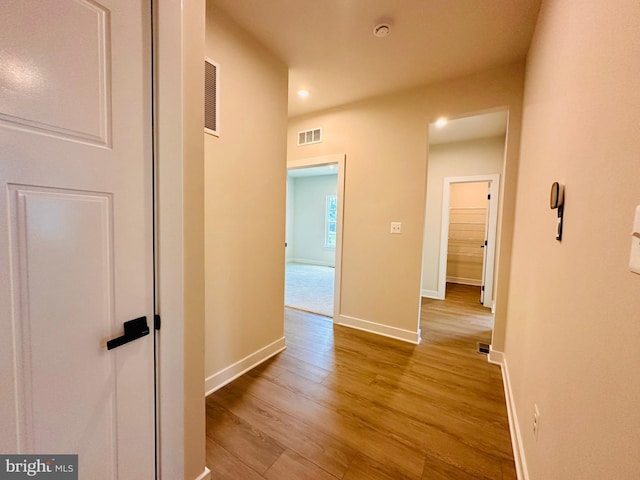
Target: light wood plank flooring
{"x": 343, "y": 404}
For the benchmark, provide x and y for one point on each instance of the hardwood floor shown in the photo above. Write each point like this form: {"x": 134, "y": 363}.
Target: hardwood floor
{"x": 343, "y": 404}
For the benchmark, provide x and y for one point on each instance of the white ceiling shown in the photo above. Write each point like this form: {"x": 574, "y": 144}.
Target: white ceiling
{"x": 469, "y": 128}
{"x": 331, "y": 51}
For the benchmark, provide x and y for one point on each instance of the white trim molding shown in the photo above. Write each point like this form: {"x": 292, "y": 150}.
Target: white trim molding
{"x": 465, "y": 281}
{"x": 206, "y": 475}
{"x": 499, "y": 358}
{"x": 179, "y": 50}
{"x": 308, "y": 261}
{"x": 316, "y": 161}
{"x": 431, "y": 294}
{"x": 495, "y": 357}
{"x": 230, "y": 373}
{"x": 379, "y": 329}
{"x": 338, "y": 159}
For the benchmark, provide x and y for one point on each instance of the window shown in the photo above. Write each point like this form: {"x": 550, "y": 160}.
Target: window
{"x": 331, "y": 216}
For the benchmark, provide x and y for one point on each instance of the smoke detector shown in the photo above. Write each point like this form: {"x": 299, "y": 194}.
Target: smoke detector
{"x": 382, "y": 30}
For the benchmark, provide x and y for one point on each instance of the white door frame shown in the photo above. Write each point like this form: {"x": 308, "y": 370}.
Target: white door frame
{"x": 494, "y": 189}
{"x": 179, "y": 29}
{"x": 339, "y": 160}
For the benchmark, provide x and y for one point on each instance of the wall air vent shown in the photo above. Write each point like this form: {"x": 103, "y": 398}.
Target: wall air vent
{"x": 310, "y": 136}
{"x": 211, "y": 97}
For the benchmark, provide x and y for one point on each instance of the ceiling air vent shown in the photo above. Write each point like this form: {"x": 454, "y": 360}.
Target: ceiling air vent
{"x": 211, "y": 72}
{"x": 310, "y": 136}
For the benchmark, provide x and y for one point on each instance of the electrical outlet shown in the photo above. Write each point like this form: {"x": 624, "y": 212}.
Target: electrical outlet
{"x": 536, "y": 420}
{"x": 396, "y": 227}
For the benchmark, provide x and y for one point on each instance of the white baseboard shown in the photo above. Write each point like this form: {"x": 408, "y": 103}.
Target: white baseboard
{"x": 230, "y": 373}
{"x": 206, "y": 475}
{"x": 307, "y": 261}
{"x": 499, "y": 358}
{"x": 379, "y": 329}
{"x": 465, "y": 281}
{"x": 430, "y": 294}
{"x": 496, "y": 357}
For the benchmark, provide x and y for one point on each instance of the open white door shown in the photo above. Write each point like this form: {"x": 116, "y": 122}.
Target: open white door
{"x": 76, "y": 257}
{"x": 488, "y": 264}
{"x": 484, "y": 246}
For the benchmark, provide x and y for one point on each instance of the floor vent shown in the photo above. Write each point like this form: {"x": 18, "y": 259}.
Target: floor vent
{"x": 310, "y": 136}
{"x": 483, "y": 348}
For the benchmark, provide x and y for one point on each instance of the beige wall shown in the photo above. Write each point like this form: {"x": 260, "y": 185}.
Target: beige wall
{"x": 472, "y": 157}
{"x": 194, "y": 282}
{"x": 574, "y": 324}
{"x": 308, "y": 222}
{"x": 245, "y": 176}
{"x": 385, "y": 141}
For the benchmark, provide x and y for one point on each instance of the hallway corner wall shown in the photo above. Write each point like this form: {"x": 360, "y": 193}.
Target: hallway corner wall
{"x": 573, "y": 331}
{"x": 245, "y": 184}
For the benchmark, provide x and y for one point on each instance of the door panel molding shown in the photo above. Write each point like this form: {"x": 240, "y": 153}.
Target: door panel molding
{"x": 36, "y": 104}
{"x": 49, "y": 228}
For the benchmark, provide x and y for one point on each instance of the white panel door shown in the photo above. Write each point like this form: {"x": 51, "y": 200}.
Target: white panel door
{"x": 484, "y": 247}
{"x": 76, "y": 233}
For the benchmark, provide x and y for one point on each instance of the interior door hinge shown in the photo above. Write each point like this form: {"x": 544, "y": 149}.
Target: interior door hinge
{"x": 156, "y": 321}
{"x": 483, "y": 288}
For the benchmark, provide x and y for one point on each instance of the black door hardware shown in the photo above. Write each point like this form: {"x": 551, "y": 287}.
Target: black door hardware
{"x": 133, "y": 329}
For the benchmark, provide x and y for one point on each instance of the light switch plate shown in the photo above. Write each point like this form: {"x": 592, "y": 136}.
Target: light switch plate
{"x": 634, "y": 260}
{"x": 396, "y": 227}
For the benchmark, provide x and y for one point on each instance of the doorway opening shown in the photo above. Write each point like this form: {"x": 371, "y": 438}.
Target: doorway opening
{"x": 466, "y": 161}
{"x": 314, "y": 234}
{"x": 311, "y": 238}
{"x": 468, "y": 242}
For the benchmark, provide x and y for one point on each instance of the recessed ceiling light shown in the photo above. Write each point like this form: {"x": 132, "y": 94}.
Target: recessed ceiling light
{"x": 303, "y": 93}
{"x": 441, "y": 122}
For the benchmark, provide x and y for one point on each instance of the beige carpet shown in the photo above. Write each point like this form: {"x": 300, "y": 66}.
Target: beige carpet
{"x": 309, "y": 288}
